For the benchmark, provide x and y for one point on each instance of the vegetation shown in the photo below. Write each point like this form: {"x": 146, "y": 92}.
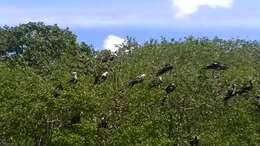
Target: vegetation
{"x": 41, "y": 105}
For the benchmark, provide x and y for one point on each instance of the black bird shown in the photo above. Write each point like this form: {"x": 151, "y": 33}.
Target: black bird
{"x": 245, "y": 88}
{"x": 57, "y": 91}
{"x": 138, "y": 79}
{"x": 103, "y": 123}
{"x": 216, "y": 66}
{"x": 101, "y": 77}
{"x": 195, "y": 141}
{"x": 231, "y": 92}
{"x": 76, "y": 118}
{"x": 74, "y": 77}
{"x": 157, "y": 81}
{"x": 164, "y": 69}
{"x": 170, "y": 88}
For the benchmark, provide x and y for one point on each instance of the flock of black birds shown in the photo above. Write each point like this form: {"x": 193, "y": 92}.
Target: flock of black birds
{"x": 232, "y": 91}
{"x": 157, "y": 81}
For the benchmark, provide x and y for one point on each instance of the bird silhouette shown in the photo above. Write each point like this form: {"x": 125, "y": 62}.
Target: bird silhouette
{"x": 164, "y": 69}
{"x": 101, "y": 77}
{"x": 74, "y": 77}
{"x": 138, "y": 79}
{"x": 170, "y": 88}
{"x": 216, "y": 66}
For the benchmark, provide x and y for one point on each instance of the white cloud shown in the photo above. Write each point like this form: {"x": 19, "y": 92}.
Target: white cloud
{"x": 111, "y": 43}
{"x": 188, "y": 7}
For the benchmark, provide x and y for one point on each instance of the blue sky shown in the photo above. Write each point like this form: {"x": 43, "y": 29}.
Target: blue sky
{"x": 94, "y": 21}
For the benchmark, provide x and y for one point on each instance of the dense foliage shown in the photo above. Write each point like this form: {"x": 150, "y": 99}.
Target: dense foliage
{"x": 41, "y": 106}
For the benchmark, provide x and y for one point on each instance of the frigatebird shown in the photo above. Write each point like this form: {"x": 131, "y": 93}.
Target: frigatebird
{"x": 216, "y": 66}
{"x": 136, "y": 80}
{"x": 170, "y": 88}
{"x": 74, "y": 77}
{"x": 167, "y": 67}
{"x": 101, "y": 77}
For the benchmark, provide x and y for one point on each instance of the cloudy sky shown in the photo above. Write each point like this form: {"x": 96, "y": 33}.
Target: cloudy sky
{"x": 105, "y": 22}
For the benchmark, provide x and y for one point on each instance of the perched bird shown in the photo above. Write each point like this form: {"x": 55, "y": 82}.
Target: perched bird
{"x": 74, "y": 77}
{"x": 101, "y": 77}
{"x": 164, "y": 69}
{"x": 216, "y": 66}
{"x": 103, "y": 123}
{"x": 57, "y": 91}
{"x": 157, "y": 81}
{"x": 138, "y": 79}
{"x": 245, "y": 88}
{"x": 76, "y": 118}
{"x": 195, "y": 141}
{"x": 170, "y": 88}
{"x": 231, "y": 92}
